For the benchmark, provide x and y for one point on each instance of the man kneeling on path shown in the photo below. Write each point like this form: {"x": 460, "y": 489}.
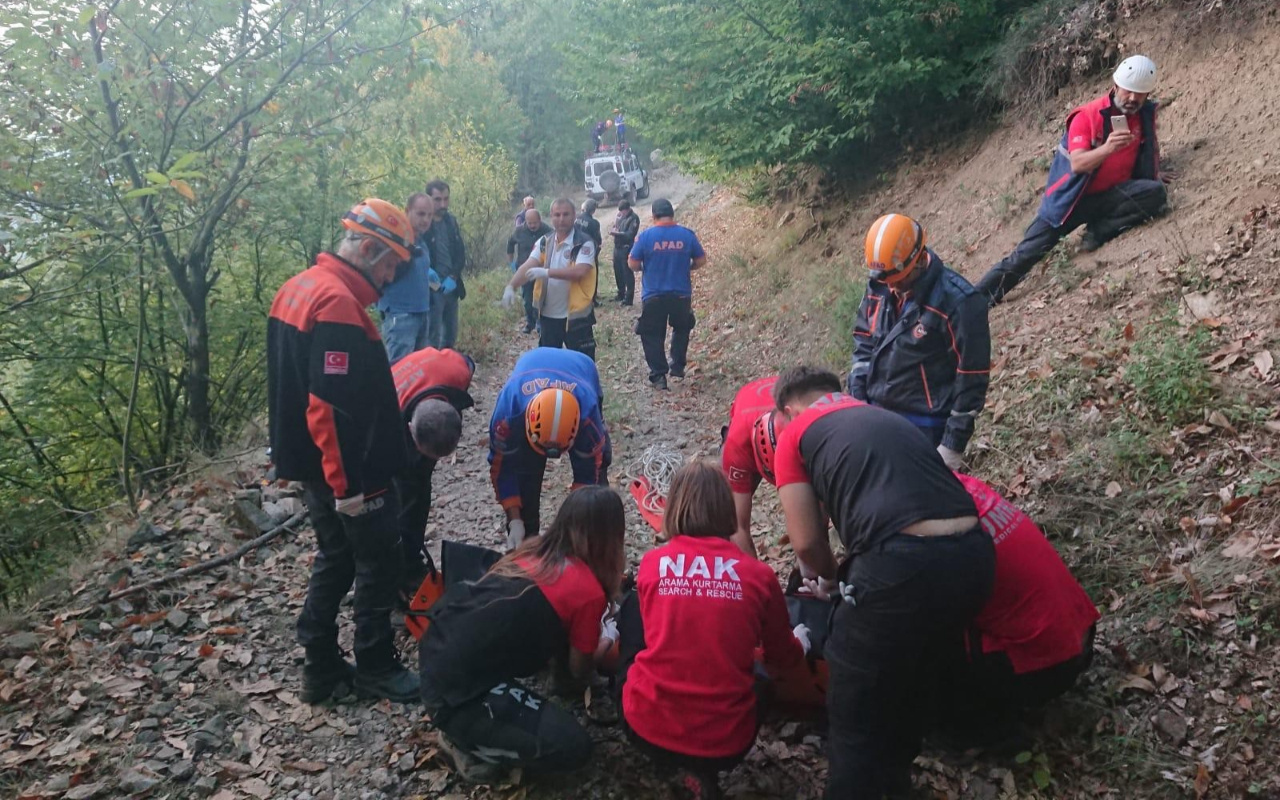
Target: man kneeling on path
{"x": 918, "y": 568}
{"x": 433, "y": 389}
{"x": 335, "y": 426}
{"x": 549, "y": 406}
{"x": 1105, "y": 176}
{"x": 562, "y": 266}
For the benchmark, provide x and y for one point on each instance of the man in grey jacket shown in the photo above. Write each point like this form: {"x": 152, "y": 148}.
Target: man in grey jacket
{"x": 448, "y": 256}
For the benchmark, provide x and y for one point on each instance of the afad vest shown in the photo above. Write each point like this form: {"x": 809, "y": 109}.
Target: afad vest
{"x": 582, "y": 292}
{"x": 1064, "y": 188}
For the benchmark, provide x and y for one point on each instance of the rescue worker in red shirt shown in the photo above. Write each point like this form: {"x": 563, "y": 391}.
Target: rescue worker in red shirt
{"x": 743, "y": 457}
{"x": 433, "y": 388}
{"x": 922, "y": 347}
{"x": 690, "y": 706}
{"x": 335, "y": 426}
{"x": 918, "y": 568}
{"x": 1032, "y": 639}
{"x": 1105, "y": 175}
{"x": 542, "y": 601}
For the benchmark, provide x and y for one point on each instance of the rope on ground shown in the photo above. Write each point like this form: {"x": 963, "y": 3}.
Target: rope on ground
{"x": 658, "y": 463}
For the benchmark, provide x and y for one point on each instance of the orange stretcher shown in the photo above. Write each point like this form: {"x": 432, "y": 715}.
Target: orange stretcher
{"x": 640, "y": 489}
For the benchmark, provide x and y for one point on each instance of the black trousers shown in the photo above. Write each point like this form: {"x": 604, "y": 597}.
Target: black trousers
{"x": 913, "y": 596}
{"x": 529, "y": 476}
{"x": 515, "y": 726}
{"x": 577, "y": 335}
{"x": 981, "y": 696}
{"x": 413, "y": 487}
{"x": 623, "y": 276}
{"x": 365, "y": 551}
{"x": 657, "y": 314}
{"x": 1105, "y": 216}
{"x": 530, "y": 313}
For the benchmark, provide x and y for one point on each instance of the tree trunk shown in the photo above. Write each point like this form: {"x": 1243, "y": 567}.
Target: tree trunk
{"x": 195, "y": 321}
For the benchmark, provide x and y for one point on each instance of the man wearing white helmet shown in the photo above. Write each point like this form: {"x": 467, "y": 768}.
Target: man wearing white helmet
{"x": 1105, "y": 176}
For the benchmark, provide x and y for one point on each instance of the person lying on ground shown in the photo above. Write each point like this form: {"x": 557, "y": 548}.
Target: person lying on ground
{"x": 921, "y": 345}
{"x": 548, "y": 407}
{"x": 433, "y": 387}
{"x": 918, "y": 569}
{"x": 542, "y": 602}
{"x": 1105, "y": 176}
{"x": 690, "y": 696}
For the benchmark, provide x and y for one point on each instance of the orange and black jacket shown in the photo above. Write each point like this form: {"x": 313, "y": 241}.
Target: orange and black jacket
{"x": 333, "y": 406}
{"x": 927, "y": 357}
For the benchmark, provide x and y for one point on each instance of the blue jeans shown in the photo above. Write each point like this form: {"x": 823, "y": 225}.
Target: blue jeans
{"x": 405, "y": 333}
{"x": 444, "y": 320}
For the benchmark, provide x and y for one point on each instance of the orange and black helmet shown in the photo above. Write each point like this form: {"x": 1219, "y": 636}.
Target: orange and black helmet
{"x": 895, "y": 246}
{"x": 551, "y": 421}
{"x": 384, "y": 222}
{"x": 764, "y": 442}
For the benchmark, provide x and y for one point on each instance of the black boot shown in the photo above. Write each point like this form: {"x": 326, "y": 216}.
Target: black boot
{"x": 395, "y": 683}
{"x": 325, "y": 677}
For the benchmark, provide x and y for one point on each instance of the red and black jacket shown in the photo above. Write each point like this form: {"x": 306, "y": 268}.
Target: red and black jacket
{"x": 334, "y": 415}
{"x": 436, "y": 375}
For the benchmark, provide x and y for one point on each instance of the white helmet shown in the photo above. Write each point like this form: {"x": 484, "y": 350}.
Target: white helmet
{"x": 1136, "y": 74}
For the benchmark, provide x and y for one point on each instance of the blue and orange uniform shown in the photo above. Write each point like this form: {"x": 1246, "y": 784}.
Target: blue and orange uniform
{"x": 516, "y": 469}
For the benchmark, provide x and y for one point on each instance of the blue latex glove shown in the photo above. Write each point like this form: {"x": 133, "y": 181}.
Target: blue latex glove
{"x": 433, "y": 278}
{"x": 449, "y": 285}
{"x": 514, "y": 266}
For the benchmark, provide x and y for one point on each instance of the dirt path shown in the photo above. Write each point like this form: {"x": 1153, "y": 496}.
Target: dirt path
{"x": 191, "y": 691}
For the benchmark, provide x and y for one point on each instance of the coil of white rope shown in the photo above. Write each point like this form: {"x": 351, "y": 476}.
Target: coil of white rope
{"x": 658, "y": 463}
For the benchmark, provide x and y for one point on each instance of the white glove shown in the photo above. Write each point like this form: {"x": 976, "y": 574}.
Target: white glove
{"x": 350, "y": 506}
{"x": 515, "y": 533}
{"x": 801, "y": 632}
{"x": 953, "y": 460}
{"x": 537, "y": 273}
{"x": 609, "y": 629}
{"x": 508, "y": 297}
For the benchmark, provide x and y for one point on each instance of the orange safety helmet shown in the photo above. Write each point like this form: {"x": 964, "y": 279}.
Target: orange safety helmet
{"x": 384, "y": 222}
{"x": 551, "y": 421}
{"x": 764, "y": 443}
{"x": 895, "y": 245}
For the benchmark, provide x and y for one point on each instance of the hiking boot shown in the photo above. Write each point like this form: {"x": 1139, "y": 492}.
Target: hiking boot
{"x": 470, "y": 768}
{"x": 1089, "y": 242}
{"x": 326, "y": 679}
{"x": 395, "y": 683}
{"x": 659, "y": 382}
{"x": 528, "y": 327}
{"x": 676, "y": 372}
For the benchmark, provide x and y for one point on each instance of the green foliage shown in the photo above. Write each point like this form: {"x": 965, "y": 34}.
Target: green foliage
{"x": 1167, "y": 370}
{"x": 732, "y": 85}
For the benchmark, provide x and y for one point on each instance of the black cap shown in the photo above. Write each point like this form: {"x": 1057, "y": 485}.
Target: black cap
{"x": 662, "y": 208}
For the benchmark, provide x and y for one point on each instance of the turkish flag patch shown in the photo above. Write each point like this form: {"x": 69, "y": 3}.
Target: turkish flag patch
{"x": 335, "y": 362}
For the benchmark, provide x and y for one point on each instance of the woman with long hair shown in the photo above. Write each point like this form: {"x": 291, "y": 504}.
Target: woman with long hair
{"x": 688, "y": 656}
{"x": 542, "y": 601}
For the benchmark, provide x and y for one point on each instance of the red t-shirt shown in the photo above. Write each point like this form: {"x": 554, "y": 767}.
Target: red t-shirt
{"x": 578, "y": 600}
{"x": 1085, "y": 129}
{"x": 788, "y": 465}
{"x": 737, "y": 456}
{"x": 706, "y": 607}
{"x": 1037, "y": 614}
